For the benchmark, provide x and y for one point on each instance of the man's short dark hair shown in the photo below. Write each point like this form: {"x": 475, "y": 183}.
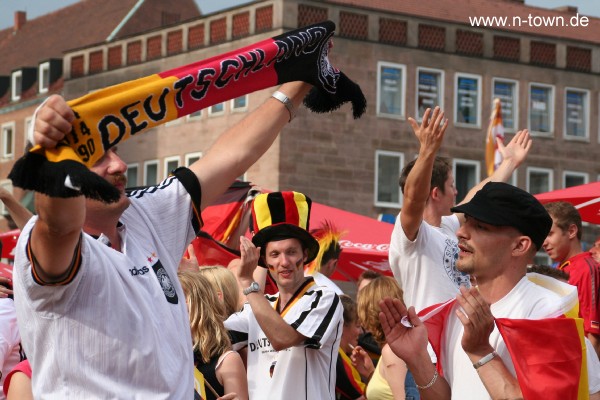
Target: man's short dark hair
{"x": 439, "y": 175}
{"x": 564, "y": 215}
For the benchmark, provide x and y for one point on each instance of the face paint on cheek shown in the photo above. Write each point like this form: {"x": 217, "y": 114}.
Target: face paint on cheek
{"x": 299, "y": 263}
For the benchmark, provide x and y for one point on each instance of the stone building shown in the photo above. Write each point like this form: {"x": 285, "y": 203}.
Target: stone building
{"x": 406, "y": 56}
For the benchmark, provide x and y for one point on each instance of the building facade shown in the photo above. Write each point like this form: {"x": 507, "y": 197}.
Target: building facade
{"x": 406, "y": 56}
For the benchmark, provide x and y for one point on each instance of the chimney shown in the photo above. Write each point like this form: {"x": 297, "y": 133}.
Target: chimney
{"x": 567, "y": 9}
{"x": 20, "y": 19}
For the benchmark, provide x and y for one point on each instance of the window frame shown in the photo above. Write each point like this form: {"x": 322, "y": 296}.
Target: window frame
{"x": 148, "y": 163}
{"x": 16, "y": 75}
{"x": 586, "y": 110}
{"x": 234, "y": 109}
{"x": 8, "y": 155}
{"x": 584, "y": 175}
{"x": 551, "y": 108}
{"x": 466, "y": 162}
{"x": 401, "y": 157}
{"x": 188, "y": 156}
{"x": 166, "y": 161}
{"x": 42, "y": 69}
{"x": 441, "y": 86}
{"x": 6, "y": 184}
{"x": 550, "y": 173}
{"x": 196, "y": 115}
{"x": 478, "y": 78}
{"x": 515, "y": 102}
{"x": 402, "y": 67}
{"x": 137, "y": 175}
{"x": 212, "y": 113}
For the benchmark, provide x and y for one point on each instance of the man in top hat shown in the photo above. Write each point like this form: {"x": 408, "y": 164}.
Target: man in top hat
{"x": 504, "y": 228}
{"x": 292, "y": 337}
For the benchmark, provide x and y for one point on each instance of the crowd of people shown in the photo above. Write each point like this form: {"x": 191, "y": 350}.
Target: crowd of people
{"x": 106, "y": 306}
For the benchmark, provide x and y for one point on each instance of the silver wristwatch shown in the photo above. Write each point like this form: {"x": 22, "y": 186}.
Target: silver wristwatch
{"x": 254, "y": 287}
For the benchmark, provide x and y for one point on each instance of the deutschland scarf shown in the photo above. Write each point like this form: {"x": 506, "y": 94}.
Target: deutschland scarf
{"x": 114, "y": 114}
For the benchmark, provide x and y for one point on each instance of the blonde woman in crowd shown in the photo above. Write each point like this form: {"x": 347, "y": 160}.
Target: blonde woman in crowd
{"x": 387, "y": 380}
{"x": 222, "y": 368}
{"x": 227, "y": 287}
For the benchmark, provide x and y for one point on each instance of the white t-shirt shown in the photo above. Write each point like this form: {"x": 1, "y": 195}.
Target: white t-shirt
{"x": 306, "y": 371}
{"x": 526, "y": 301}
{"x": 425, "y": 268}
{"x": 324, "y": 281}
{"x": 11, "y": 352}
{"x": 120, "y": 327}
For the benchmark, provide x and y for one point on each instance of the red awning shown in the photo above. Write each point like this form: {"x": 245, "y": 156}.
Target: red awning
{"x": 586, "y": 198}
{"x": 9, "y": 242}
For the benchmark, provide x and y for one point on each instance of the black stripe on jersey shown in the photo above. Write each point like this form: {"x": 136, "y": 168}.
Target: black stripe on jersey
{"x": 238, "y": 337}
{"x": 315, "y": 340}
{"x": 66, "y": 277}
{"x": 594, "y": 287}
{"x": 333, "y": 358}
{"x": 190, "y": 182}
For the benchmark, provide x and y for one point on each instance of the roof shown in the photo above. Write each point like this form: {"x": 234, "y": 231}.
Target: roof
{"x": 459, "y": 11}
{"x": 82, "y": 24}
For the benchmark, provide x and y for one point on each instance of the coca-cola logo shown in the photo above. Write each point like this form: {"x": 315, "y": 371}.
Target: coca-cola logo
{"x": 382, "y": 247}
{"x": 381, "y": 266}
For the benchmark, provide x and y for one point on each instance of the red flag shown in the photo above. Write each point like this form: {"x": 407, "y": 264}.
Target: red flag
{"x": 543, "y": 372}
{"x": 493, "y": 158}
{"x": 547, "y": 372}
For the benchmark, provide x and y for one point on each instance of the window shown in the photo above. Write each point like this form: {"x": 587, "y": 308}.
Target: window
{"x": 577, "y": 120}
{"x": 132, "y": 175}
{"x": 466, "y": 175}
{"x": 217, "y": 109}
{"x": 539, "y": 180}
{"x": 508, "y": 92}
{"x": 174, "y": 122}
{"x": 6, "y": 184}
{"x": 8, "y": 140}
{"x": 239, "y": 104}
{"x": 391, "y": 88}
{"x": 571, "y": 178}
{"x": 171, "y": 164}
{"x": 542, "y": 258}
{"x": 191, "y": 158}
{"x": 26, "y": 127}
{"x": 150, "y": 172}
{"x": 541, "y": 105}
{"x": 195, "y": 115}
{"x": 388, "y": 165}
{"x": 16, "y": 85}
{"x": 44, "y": 77}
{"x": 467, "y": 104}
{"x": 430, "y": 90}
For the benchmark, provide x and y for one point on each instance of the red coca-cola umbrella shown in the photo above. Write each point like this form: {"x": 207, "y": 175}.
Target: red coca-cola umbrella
{"x": 585, "y": 198}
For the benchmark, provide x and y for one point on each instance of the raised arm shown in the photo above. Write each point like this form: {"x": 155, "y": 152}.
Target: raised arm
{"x": 56, "y": 233}
{"x": 280, "y": 334}
{"x": 17, "y": 211}
{"x": 418, "y": 182}
{"x": 242, "y": 145}
{"x": 513, "y": 156}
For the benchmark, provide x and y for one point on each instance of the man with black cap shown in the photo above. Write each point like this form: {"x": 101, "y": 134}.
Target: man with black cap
{"x": 292, "y": 336}
{"x": 504, "y": 228}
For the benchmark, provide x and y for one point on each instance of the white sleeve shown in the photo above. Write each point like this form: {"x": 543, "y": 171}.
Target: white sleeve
{"x": 593, "y": 367}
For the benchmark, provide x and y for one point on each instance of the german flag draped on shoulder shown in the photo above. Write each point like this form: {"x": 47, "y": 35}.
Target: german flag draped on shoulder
{"x": 112, "y": 115}
{"x": 549, "y": 355}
